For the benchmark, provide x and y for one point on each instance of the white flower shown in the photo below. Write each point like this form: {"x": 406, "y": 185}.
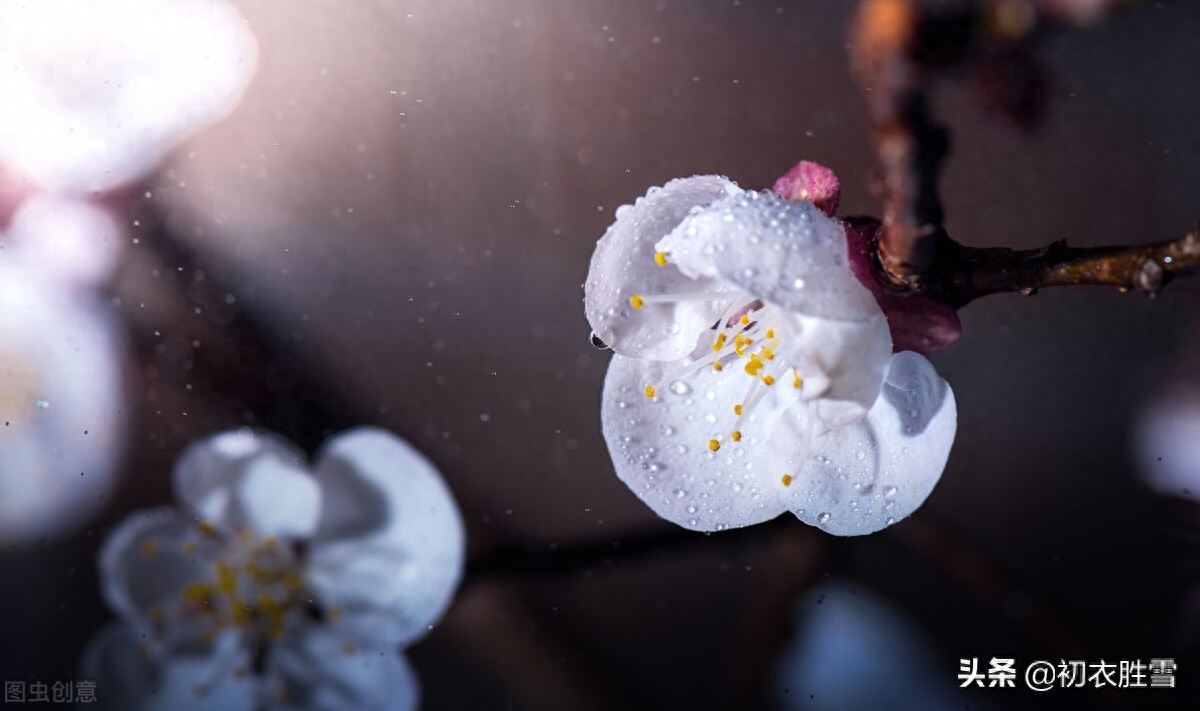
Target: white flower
{"x": 96, "y": 91}
{"x": 70, "y": 240}
{"x": 1168, "y": 439}
{"x": 62, "y": 410}
{"x": 753, "y": 373}
{"x": 278, "y": 586}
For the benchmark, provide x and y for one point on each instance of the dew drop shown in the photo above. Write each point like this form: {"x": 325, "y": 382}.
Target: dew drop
{"x": 889, "y": 491}
{"x": 681, "y": 388}
{"x": 666, "y": 430}
{"x": 691, "y": 509}
{"x": 680, "y": 493}
{"x": 672, "y": 329}
{"x": 890, "y": 520}
{"x": 681, "y": 449}
{"x": 824, "y": 517}
{"x": 861, "y": 455}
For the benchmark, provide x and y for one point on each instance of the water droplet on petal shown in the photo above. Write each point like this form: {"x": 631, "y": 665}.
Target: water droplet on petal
{"x": 889, "y": 491}
{"x": 681, "y": 388}
{"x": 824, "y": 517}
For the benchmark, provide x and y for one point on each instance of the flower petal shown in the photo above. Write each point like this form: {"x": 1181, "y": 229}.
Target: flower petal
{"x": 784, "y": 252}
{"x": 275, "y": 499}
{"x": 77, "y": 241}
{"x": 96, "y": 92}
{"x": 316, "y": 669}
{"x": 1168, "y": 439}
{"x": 660, "y": 447}
{"x": 63, "y": 418}
{"x": 624, "y": 265}
{"x": 208, "y": 473}
{"x": 145, "y": 564}
{"x": 842, "y": 363}
{"x": 388, "y": 553}
{"x": 130, "y": 680}
{"x": 865, "y": 476}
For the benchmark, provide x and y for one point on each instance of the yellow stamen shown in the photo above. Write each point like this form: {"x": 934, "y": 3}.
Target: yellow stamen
{"x": 737, "y": 435}
{"x": 714, "y": 445}
{"x": 768, "y": 353}
{"x": 787, "y": 479}
{"x": 719, "y": 343}
{"x": 769, "y": 380}
{"x": 660, "y": 258}
{"x": 649, "y": 390}
{"x": 207, "y": 528}
{"x": 754, "y": 365}
{"x": 197, "y": 592}
{"x": 797, "y": 381}
{"x": 718, "y": 367}
{"x": 744, "y": 320}
{"x": 770, "y": 333}
{"x": 636, "y": 301}
{"x": 737, "y": 410}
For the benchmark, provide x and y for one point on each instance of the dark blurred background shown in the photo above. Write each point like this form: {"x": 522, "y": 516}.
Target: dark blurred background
{"x": 393, "y": 228}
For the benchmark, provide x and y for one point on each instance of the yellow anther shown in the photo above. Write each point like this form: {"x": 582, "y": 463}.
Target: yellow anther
{"x": 149, "y": 547}
{"x": 720, "y": 342}
{"x": 189, "y": 548}
{"x": 769, "y": 380}
{"x": 768, "y": 353}
{"x": 197, "y": 592}
{"x": 770, "y": 333}
{"x": 737, "y": 435}
{"x": 636, "y": 301}
{"x": 718, "y": 367}
{"x": 787, "y": 480}
{"x": 207, "y": 528}
{"x": 660, "y": 258}
{"x": 754, "y": 366}
{"x": 226, "y": 578}
{"x": 737, "y": 410}
{"x": 744, "y": 320}
{"x": 714, "y": 445}
{"x": 797, "y": 381}
{"x": 649, "y": 390}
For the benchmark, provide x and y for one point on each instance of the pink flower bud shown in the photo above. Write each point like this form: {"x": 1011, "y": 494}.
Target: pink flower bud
{"x": 812, "y": 182}
{"x": 918, "y": 323}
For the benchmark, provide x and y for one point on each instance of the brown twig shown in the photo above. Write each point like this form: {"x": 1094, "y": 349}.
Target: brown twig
{"x": 894, "y": 44}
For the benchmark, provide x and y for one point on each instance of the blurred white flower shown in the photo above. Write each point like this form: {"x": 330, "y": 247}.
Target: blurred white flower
{"x": 62, "y": 420}
{"x": 69, "y": 240}
{"x": 96, "y": 91}
{"x": 753, "y": 372}
{"x": 276, "y": 586}
{"x": 1168, "y": 442}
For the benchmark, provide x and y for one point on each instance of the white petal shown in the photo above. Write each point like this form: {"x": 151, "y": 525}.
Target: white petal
{"x": 1169, "y": 444}
{"x": 841, "y": 362}
{"x": 96, "y": 91}
{"x": 208, "y": 472}
{"x": 129, "y": 680}
{"x": 388, "y": 552}
{"x": 316, "y": 669}
{"x": 144, "y": 567}
{"x": 74, "y": 240}
{"x": 784, "y": 252}
{"x": 623, "y": 265}
{"x": 274, "y": 498}
{"x": 63, "y": 417}
{"x": 865, "y": 476}
{"x": 660, "y": 447}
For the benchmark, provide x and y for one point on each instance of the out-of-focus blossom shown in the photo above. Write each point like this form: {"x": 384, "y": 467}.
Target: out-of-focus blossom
{"x": 62, "y": 410}
{"x": 854, "y": 650}
{"x": 96, "y": 91}
{"x": 1168, "y": 441}
{"x": 72, "y": 241}
{"x": 753, "y": 372}
{"x": 276, "y": 586}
